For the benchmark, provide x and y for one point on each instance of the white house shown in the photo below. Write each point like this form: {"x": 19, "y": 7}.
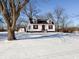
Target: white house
{"x": 21, "y": 30}
{"x": 41, "y": 26}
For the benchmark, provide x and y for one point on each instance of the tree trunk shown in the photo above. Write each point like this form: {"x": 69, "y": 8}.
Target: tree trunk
{"x": 11, "y": 34}
{"x": 30, "y": 20}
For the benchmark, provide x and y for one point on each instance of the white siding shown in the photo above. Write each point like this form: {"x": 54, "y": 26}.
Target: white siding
{"x": 32, "y": 29}
{"x": 21, "y": 30}
{"x": 40, "y": 27}
{"x": 51, "y": 29}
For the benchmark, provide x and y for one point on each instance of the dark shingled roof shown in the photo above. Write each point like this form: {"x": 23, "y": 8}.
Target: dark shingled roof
{"x": 39, "y": 21}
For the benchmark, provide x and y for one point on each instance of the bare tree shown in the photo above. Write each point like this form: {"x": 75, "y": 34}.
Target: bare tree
{"x": 21, "y": 22}
{"x": 31, "y": 11}
{"x": 64, "y": 22}
{"x": 1, "y": 23}
{"x": 1, "y": 20}
{"x": 58, "y": 16}
{"x": 11, "y": 10}
{"x": 50, "y": 16}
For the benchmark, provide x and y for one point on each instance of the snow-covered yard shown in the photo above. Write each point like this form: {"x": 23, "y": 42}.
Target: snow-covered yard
{"x": 40, "y": 46}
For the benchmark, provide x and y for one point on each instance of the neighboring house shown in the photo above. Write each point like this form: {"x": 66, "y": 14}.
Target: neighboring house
{"x": 41, "y": 26}
{"x": 21, "y": 30}
{"x": 21, "y": 26}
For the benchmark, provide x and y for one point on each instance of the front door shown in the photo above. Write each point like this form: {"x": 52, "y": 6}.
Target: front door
{"x": 43, "y": 27}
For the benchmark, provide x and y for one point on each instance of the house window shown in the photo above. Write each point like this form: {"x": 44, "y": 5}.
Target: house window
{"x": 35, "y": 26}
{"x": 50, "y": 27}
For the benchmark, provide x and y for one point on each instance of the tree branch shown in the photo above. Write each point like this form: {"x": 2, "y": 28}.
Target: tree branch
{"x": 20, "y": 6}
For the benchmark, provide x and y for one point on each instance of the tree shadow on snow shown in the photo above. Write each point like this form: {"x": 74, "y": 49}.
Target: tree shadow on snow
{"x": 27, "y": 36}
{"x": 24, "y": 36}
